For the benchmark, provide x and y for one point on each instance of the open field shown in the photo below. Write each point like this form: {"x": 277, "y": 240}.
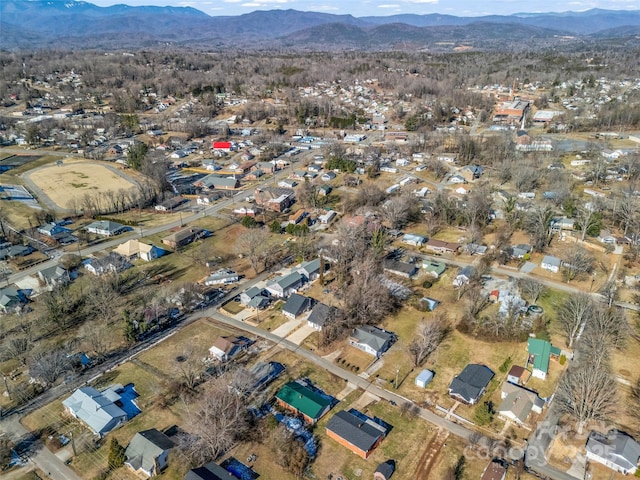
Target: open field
{"x": 74, "y": 178}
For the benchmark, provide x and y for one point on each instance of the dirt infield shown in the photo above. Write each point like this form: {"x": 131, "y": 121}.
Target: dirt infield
{"x": 61, "y": 184}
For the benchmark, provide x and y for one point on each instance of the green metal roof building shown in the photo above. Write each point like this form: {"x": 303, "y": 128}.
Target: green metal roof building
{"x": 303, "y": 400}
{"x": 539, "y": 353}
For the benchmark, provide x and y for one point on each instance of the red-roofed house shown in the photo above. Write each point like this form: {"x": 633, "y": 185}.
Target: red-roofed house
{"x": 222, "y": 146}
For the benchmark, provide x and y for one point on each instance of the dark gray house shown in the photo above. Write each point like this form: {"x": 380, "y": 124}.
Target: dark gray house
{"x": 296, "y": 305}
{"x": 471, "y": 384}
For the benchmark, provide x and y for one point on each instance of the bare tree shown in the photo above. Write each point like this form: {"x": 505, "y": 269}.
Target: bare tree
{"x": 538, "y": 224}
{"x": 289, "y": 451}
{"x": 606, "y": 329}
{"x": 15, "y": 347}
{"x": 252, "y": 243}
{"x": 587, "y": 393}
{"x": 49, "y": 366}
{"x": 532, "y": 289}
{"x": 398, "y": 210}
{"x": 189, "y": 366}
{"x": 573, "y": 313}
{"x": 575, "y": 261}
{"x": 429, "y": 334}
{"x": 216, "y": 420}
{"x": 97, "y": 337}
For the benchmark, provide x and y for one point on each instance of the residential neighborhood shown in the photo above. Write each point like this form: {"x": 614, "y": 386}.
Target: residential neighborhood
{"x": 415, "y": 263}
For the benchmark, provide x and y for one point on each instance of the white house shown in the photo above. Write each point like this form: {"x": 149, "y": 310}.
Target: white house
{"x": 551, "y": 263}
{"x": 616, "y": 450}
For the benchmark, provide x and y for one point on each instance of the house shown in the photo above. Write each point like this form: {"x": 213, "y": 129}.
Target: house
{"x": 132, "y": 249}
{"x": 424, "y": 378}
{"x": 357, "y": 432}
{"x": 305, "y": 400}
{"x": 456, "y": 179}
{"x": 371, "y": 340}
{"x": 225, "y": 348}
{"x": 210, "y": 471}
{"x": 518, "y": 375}
{"x": 471, "y": 383}
{"x": 471, "y": 172}
{"x": 217, "y": 182}
{"x": 475, "y": 249}
{"x": 224, "y": 276}
{"x": 207, "y": 199}
{"x": 252, "y": 293}
{"x": 462, "y": 190}
{"x": 464, "y": 276}
{"x": 98, "y": 410}
{"x": 562, "y": 224}
{"x": 222, "y": 146}
{"x": 414, "y": 240}
{"x": 287, "y": 183}
{"x": 310, "y": 269}
{"x": 184, "y": 237}
{"x": 12, "y": 300}
{"x": 296, "y": 305}
{"x": 439, "y": 246}
{"x": 540, "y": 351}
{"x": 327, "y": 217}
{"x": 53, "y": 276}
{"x": 384, "y": 470}
{"x": 518, "y": 403}
{"x": 53, "y": 230}
{"x": 496, "y": 470}
{"x": 106, "y": 228}
{"x": 435, "y": 269}
{"x": 169, "y": 204}
{"x": 328, "y": 176}
{"x": 520, "y": 251}
{"x": 286, "y": 285}
{"x": 112, "y": 263}
{"x": 551, "y": 263}
{"x": 274, "y": 199}
{"x": 324, "y": 190}
{"x": 429, "y": 303}
{"x": 402, "y": 269}
{"x": 320, "y": 315}
{"x": 616, "y": 450}
{"x": 148, "y": 451}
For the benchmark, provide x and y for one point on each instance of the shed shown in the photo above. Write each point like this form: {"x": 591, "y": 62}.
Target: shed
{"x": 424, "y": 378}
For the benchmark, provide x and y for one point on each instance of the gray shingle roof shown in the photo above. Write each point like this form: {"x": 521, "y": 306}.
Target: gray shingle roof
{"x": 145, "y": 447}
{"x": 372, "y": 336}
{"x": 616, "y": 447}
{"x": 362, "y": 434}
{"x": 296, "y": 304}
{"x": 471, "y": 382}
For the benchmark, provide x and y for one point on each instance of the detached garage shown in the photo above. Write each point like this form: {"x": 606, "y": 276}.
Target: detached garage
{"x": 424, "y": 378}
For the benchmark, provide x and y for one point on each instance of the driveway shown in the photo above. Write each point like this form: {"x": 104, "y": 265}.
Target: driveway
{"x": 299, "y": 335}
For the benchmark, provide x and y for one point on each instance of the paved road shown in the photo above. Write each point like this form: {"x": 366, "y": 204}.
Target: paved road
{"x": 339, "y": 372}
{"x": 563, "y": 287}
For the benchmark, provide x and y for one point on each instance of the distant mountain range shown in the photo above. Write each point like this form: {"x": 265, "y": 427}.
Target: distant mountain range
{"x": 77, "y": 24}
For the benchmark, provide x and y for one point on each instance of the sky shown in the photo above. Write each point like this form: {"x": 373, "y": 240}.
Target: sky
{"x": 361, "y": 8}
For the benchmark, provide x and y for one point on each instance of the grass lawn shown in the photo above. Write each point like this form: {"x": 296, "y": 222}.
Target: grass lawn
{"x": 272, "y": 319}
{"x": 296, "y": 368}
{"x": 403, "y": 444}
{"x": 145, "y": 381}
{"x": 46, "y": 416}
{"x": 96, "y": 461}
{"x": 196, "y": 338}
{"x": 354, "y": 357}
{"x": 233, "y": 308}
